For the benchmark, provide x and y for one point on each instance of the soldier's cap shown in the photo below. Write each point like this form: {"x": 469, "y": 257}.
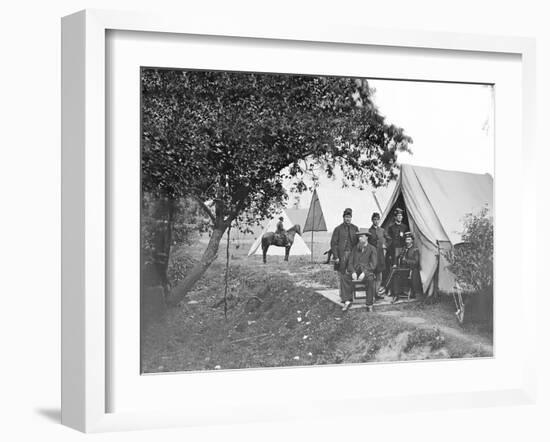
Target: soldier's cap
{"x": 409, "y": 235}
{"x": 375, "y": 215}
{"x": 398, "y": 211}
{"x": 281, "y": 218}
{"x": 363, "y": 231}
{"x": 347, "y": 212}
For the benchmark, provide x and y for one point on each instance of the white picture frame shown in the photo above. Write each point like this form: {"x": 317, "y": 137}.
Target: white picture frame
{"x": 86, "y": 315}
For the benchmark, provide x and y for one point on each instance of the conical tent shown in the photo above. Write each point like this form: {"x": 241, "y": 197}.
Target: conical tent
{"x": 435, "y": 202}
{"x": 298, "y": 248}
{"x": 330, "y": 199}
{"x": 315, "y": 221}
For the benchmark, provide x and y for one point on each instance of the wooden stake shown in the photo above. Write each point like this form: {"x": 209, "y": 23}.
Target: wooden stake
{"x": 226, "y": 273}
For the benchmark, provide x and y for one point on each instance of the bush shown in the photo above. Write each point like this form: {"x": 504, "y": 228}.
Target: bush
{"x": 472, "y": 261}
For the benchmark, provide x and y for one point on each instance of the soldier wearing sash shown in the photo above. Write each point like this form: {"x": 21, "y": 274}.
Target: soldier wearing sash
{"x": 396, "y": 237}
{"x": 378, "y": 239}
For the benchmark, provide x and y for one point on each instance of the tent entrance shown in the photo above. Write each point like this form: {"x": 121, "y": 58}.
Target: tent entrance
{"x": 429, "y": 259}
{"x": 399, "y": 203}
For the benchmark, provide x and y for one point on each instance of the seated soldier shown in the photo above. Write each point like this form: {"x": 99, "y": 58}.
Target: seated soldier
{"x": 361, "y": 267}
{"x": 408, "y": 280}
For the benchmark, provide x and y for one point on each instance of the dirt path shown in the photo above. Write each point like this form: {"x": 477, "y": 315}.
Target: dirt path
{"x": 307, "y": 275}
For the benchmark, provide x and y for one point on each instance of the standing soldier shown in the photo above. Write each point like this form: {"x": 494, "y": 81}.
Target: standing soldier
{"x": 342, "y": 243}
{"x": 396, "y": 237}
{"x": 378, "y": 239}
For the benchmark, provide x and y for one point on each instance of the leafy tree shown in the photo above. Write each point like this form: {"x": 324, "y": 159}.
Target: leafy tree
{"x": 472, "y": 261}
{"x": 164, "y": 222}
{"x": 231, "y": 140}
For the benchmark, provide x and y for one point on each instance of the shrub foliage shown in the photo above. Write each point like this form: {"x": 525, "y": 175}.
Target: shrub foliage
{"x": 472, "y": 261}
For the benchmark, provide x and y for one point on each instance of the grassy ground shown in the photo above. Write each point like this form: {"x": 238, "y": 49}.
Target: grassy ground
{"x": 275, "y": 318}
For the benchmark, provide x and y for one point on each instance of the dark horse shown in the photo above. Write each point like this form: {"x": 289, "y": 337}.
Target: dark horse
{"x": 273, "y": 239}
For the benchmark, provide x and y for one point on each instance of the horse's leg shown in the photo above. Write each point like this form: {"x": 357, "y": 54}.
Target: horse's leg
{"x": 264, "y": 251}
{"x": 287, "y": 252}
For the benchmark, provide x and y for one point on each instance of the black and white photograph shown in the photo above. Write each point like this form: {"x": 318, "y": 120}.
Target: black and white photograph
{"x": 299, "y": 220}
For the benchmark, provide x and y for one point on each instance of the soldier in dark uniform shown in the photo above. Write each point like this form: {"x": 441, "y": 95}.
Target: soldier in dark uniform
{"x": 378, "y": 239}
{"x": 396, "y": 237}
{"x": 409, "y": 259}
{"x": 362, "y": 267}
{"x": 281, "y": 232}
{"x": 342, "y": 243}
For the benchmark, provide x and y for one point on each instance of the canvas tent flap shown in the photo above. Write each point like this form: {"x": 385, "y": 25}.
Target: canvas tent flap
{"x": 419, "y": 205}
{"x": 428, "y": 257}
{"x": 453, "y": 194}
{"x": 298, "y": 248}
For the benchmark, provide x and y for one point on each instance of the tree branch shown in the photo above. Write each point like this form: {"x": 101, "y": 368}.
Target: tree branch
{"x": 234, "y": 213}
{"x": 204, "y": 206}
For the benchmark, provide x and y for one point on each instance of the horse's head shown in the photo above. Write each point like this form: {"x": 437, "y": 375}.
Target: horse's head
{"x": 296, "y": 228}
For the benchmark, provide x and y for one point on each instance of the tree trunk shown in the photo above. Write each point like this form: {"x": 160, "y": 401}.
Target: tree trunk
{"x": 156, "y": 273}
{"x": 208, "y": 257}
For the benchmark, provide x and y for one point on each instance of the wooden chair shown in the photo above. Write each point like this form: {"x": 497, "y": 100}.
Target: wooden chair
{"x": 359, "y": 287}
{"x": 405, "y": 275}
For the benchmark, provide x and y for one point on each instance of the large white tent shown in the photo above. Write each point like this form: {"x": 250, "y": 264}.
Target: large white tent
{"x": 297, "y": 216}
{"x": 435, "y": 203}
{"x": 299, "y": 247}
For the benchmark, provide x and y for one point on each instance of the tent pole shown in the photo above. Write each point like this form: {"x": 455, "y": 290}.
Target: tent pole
{"x": 376, "y": 201}
{"x": 313, "y": 217}
{"x": 436, "y": 276}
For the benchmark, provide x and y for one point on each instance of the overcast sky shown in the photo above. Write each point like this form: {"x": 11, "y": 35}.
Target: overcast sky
{"x": 451, "y": 124}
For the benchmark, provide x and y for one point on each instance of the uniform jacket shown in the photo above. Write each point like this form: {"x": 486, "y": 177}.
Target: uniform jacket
{"x": 378, "y": 239}
{"x": 342, "y": 234}
{"x": 396, "y": 235}
{"x": 410, "y": 258}
{"x": 363, "y": 260}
